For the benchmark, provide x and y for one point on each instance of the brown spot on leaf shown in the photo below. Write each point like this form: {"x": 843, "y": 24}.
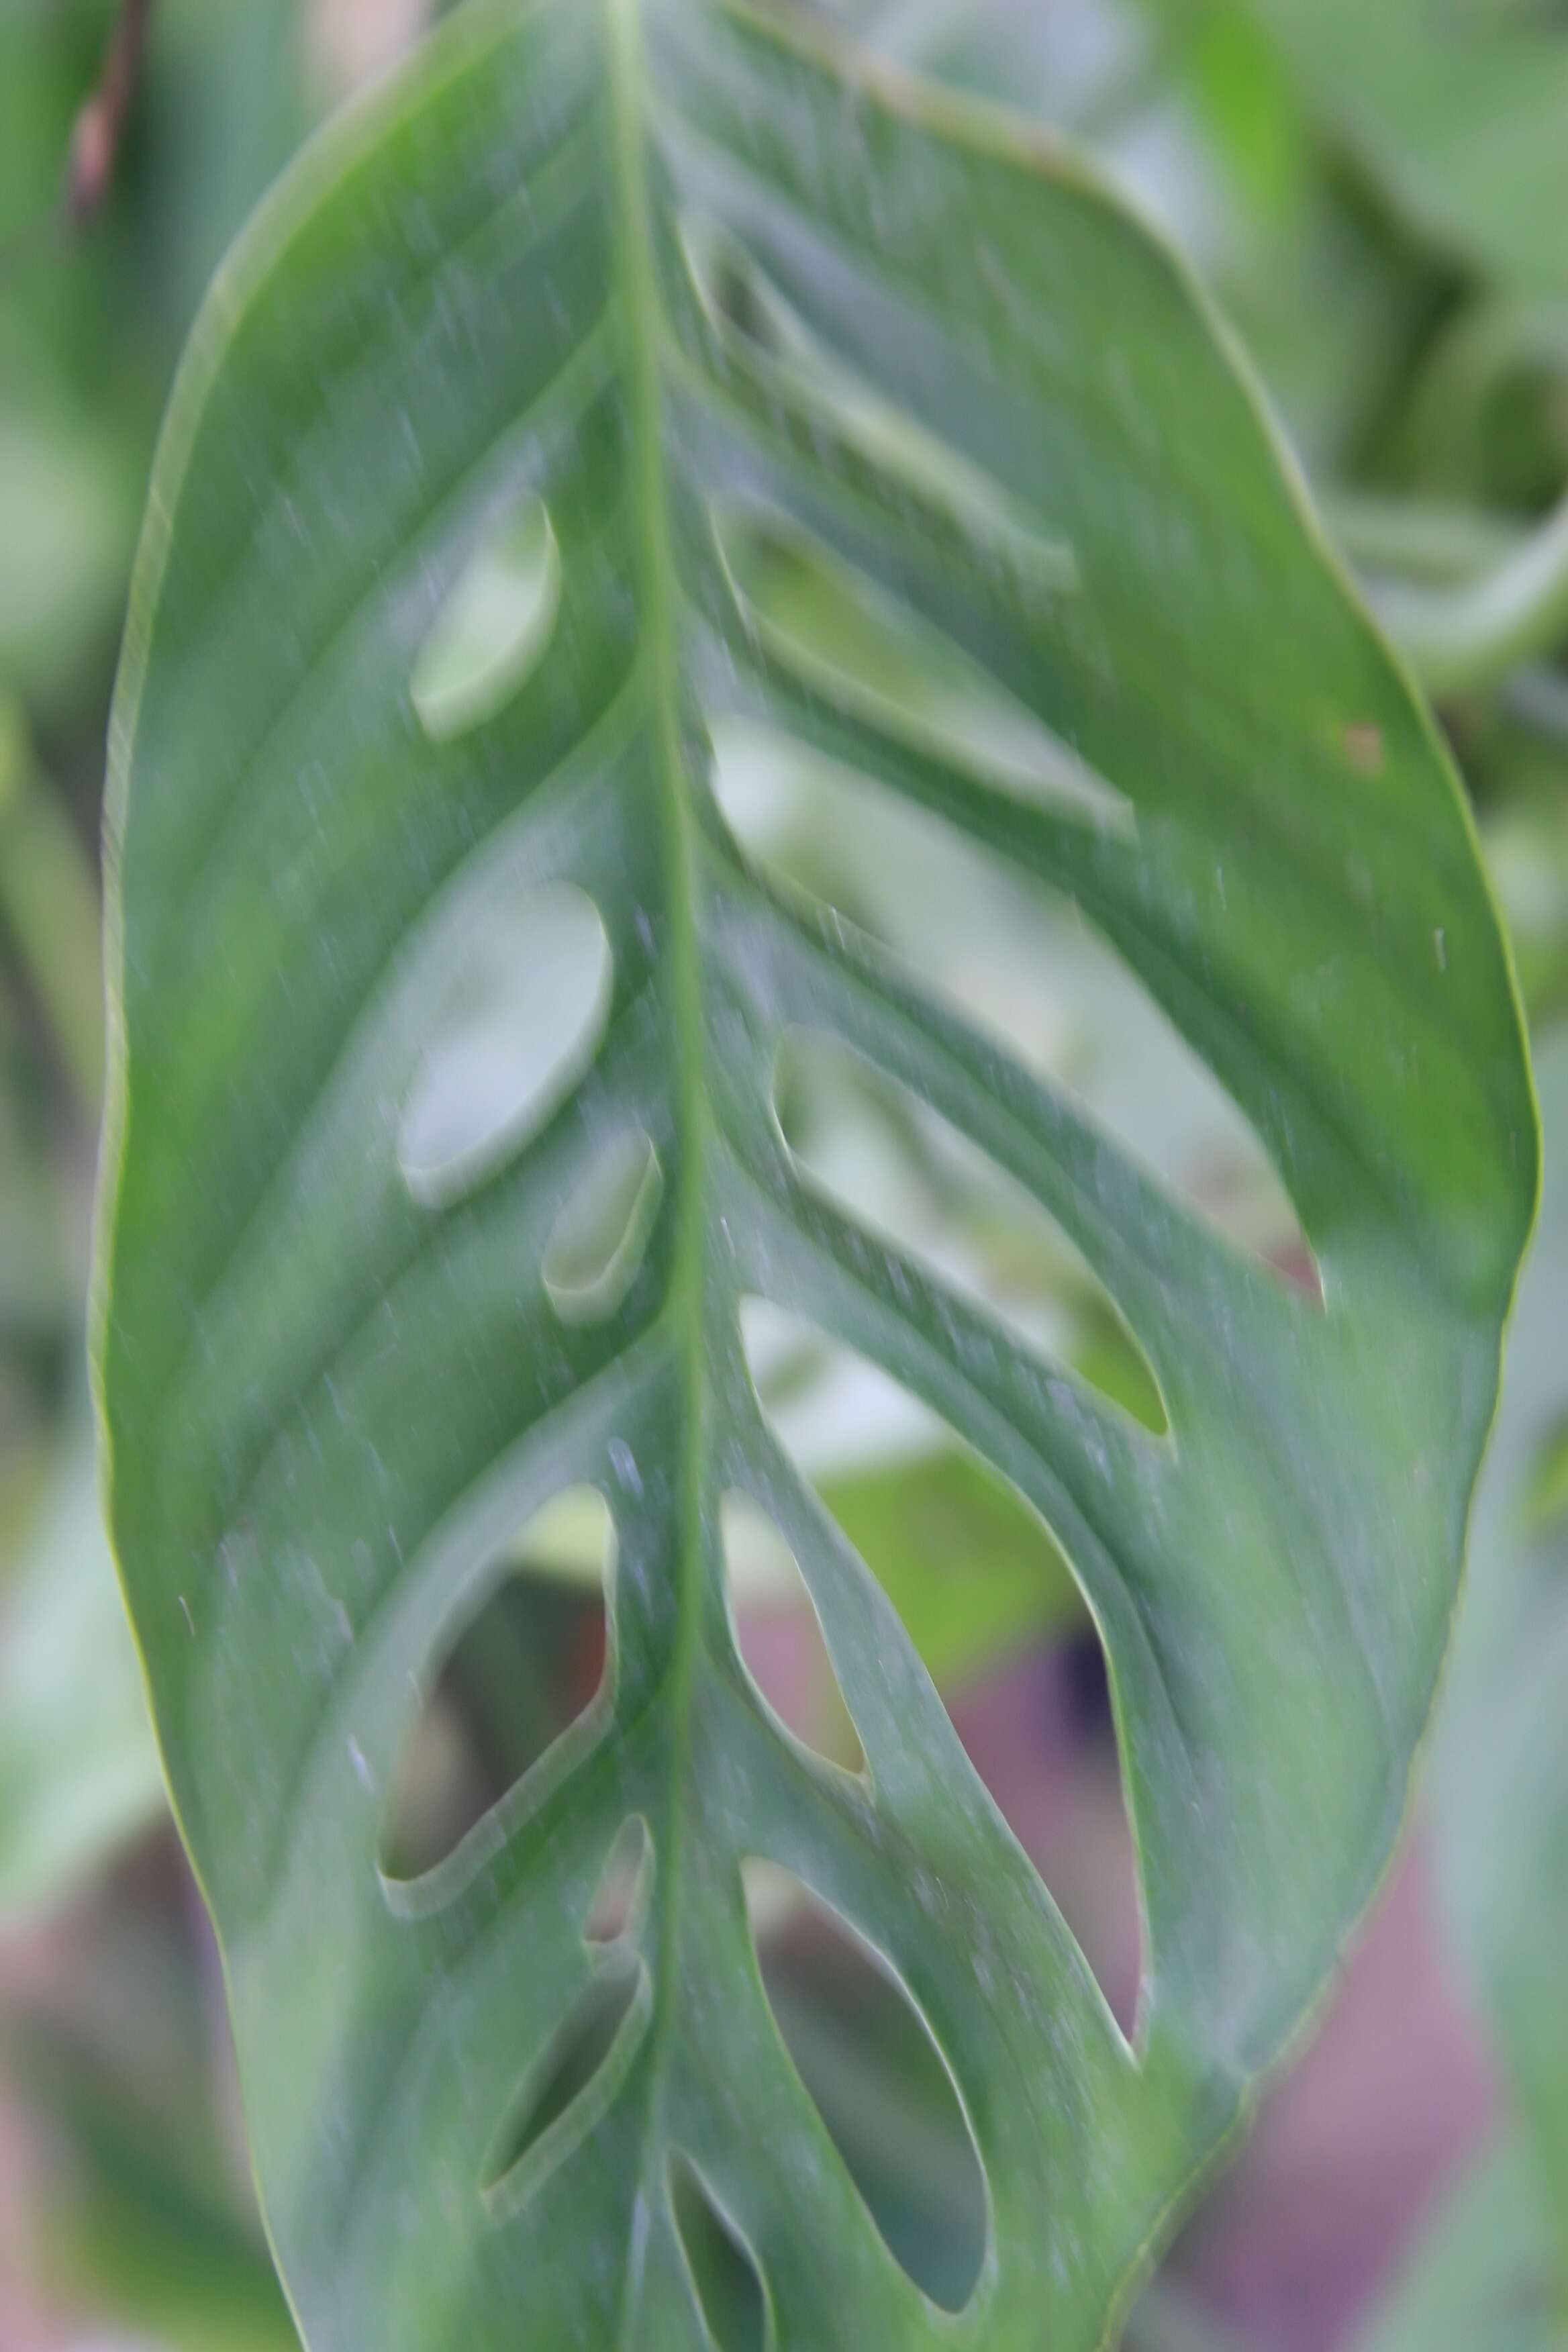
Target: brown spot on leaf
{"x": 1363, "y": 744}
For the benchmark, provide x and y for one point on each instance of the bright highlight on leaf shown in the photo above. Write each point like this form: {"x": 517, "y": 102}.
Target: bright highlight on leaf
{"x": 446, "y": 1151}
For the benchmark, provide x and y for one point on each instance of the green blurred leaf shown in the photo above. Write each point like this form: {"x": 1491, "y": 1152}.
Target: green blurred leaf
{"x": 79, "y": 1770}
{"x": 732, "y": 303}
{"x": 139, "y": 2229}
{"x": 227, "y": 103}
{"x": 1458, "y": 108}
{"x": 1527, "y": 854}
{"x": 1481, "y": 2275}
{"x": 49, "y": 907}
{"x": 1501, "y": 1764}
{"x": 68, "y": 504}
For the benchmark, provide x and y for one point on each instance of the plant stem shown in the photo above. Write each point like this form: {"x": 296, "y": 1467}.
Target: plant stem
{"x": 100, "y": 133}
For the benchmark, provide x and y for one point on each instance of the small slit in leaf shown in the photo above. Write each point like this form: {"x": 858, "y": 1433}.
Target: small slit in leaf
{"x": 523, "y": 1011}
{"x": 752, "y": 317}
{"x": 525, "y": 1664}
{"x": 872, "y": 2067}
{"x": 571, "y": 2084}
{"x": 1039, "y": 1731}
{"x": 903, "y": 1173}
{"x": 780, "y": 1636}
{"x": 494, "y": 628}
{"x": 1020, "y": 962}
{"x": 989, "y": 1601}
{"x": 600, "y": 1240}
{"x": 851, "y": 640}
{"x": 622, "y": 1896}
{"x": 967, "y": 1563}
{"x": 724, "y": 2271}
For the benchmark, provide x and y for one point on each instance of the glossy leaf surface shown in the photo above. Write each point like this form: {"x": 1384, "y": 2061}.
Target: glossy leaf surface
{"x": 768, "y": 332}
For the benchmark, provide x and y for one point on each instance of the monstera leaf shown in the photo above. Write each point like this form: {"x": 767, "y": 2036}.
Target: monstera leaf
{"x": 1458, "y": 108}
{"x": 627, "y": 386}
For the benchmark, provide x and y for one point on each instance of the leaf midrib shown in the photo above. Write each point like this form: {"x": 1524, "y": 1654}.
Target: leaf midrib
{"x": 635, "y": 268}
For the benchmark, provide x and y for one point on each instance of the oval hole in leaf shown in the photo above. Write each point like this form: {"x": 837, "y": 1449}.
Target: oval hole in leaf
{"x": 990, "y": 1602}
{"x": 967, "y": 1563}
{"x": 724, "y": 2271}
{"x": 779, "y": 1635}
{"x": 1039, "y": 1732}
{"x": 902, "y": 1171}
{"x": 849, "y": 639}
{"x": 601, "y": 1236}
{"x": 569, "y": 2085}
{"x": 524, "y": 1665}
{"x": 523, "y": 1014}
{"x": 621, "y": 1897}
{"x": 1018, "y": 960}
{"x": 872, "y": 2067}
{"x": 493, "y": 629}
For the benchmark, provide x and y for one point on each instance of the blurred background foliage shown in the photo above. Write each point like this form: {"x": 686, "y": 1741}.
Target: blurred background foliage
{"x": 1375, "y": 195}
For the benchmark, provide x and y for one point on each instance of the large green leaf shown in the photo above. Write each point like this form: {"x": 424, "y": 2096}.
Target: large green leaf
{"x": 1457, "y": 107}
{"x": 524, "y": 445}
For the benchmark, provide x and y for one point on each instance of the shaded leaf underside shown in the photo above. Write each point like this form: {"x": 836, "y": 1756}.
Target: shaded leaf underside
{"x": 989, "y": 405}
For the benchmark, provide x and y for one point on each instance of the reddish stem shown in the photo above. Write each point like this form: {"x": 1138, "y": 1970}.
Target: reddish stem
{"x": 99, "y": 132}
